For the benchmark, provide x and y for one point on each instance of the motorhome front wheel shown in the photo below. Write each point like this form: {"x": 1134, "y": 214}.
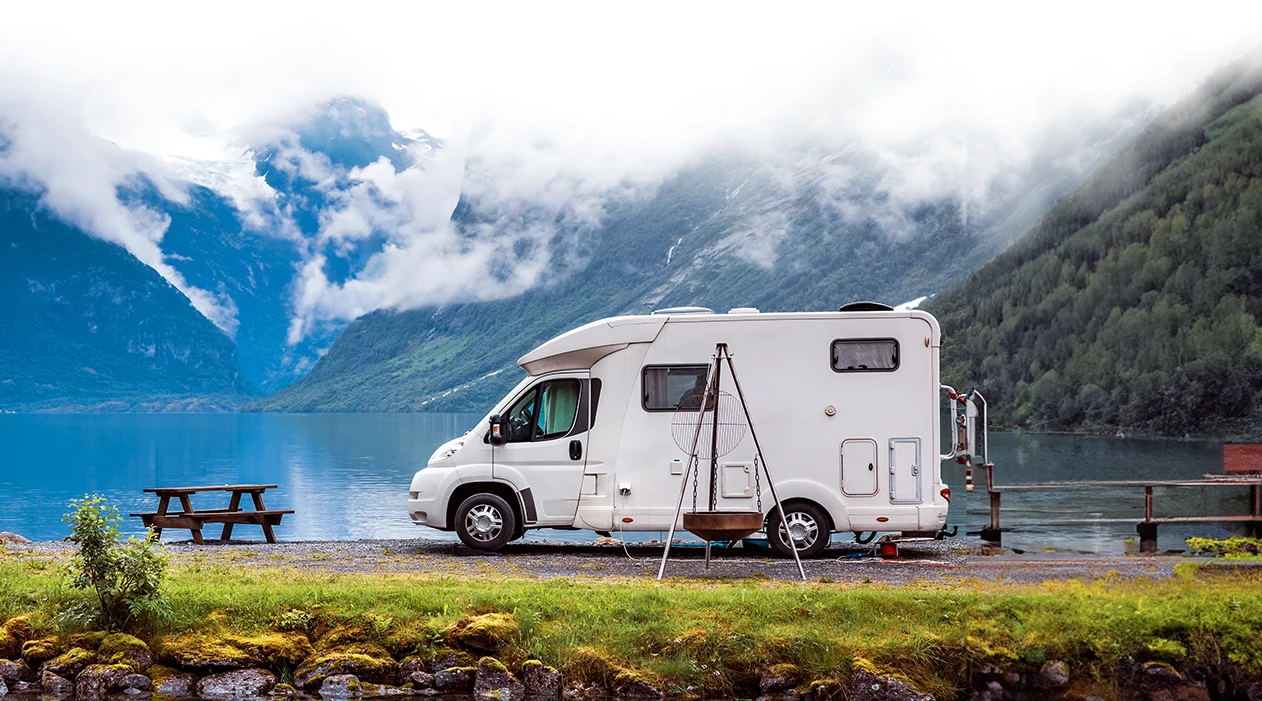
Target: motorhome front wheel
{"x": 485, "y": 522}
{"x": 808, "y": 525}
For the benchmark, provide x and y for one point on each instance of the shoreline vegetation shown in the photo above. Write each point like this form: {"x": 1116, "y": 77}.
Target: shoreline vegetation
{"x": 396, "y": 633}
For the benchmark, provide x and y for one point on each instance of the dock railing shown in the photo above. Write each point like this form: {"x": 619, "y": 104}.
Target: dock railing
{"x": 1146, "y": 529}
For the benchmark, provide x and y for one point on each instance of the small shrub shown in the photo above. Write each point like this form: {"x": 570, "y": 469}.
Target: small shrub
{"x": 296, "y": 620}
{"x": 126, "y": 577}
{"x": 1230, "y": 548}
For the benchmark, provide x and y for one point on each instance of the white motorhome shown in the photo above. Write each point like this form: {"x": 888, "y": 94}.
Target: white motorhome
{"x": 845, "y": 405}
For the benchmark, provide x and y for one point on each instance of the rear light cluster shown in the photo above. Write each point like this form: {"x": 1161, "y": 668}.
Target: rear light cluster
{"x": 946, "y": 494}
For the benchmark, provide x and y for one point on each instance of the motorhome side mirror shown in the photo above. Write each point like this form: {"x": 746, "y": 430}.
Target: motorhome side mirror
{"x": 497, "y": 430}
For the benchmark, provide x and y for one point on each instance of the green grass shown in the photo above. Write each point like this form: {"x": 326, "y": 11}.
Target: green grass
{"x": 720, "y": 636}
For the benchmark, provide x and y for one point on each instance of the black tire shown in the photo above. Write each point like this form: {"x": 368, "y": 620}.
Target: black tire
{"x": 808, "y": 521}
{"x": 485, "y": 522}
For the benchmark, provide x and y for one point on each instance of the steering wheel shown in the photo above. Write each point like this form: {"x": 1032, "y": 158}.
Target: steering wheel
{"x": 519, "y": 426}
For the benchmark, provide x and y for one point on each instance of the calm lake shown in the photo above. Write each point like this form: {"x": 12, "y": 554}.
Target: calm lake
{"x": 347, "y": 475}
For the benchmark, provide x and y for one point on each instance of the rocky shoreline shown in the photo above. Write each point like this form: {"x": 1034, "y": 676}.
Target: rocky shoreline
{"x": 476, "y": 657}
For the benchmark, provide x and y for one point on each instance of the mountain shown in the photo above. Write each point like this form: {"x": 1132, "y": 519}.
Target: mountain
{"x": 209, "y": 244}
{"x": 785, "y": 232}
{"x": 298, "y": 234}
{"x": 256, "y": 265}
{"x": 1133, "y": 304}
{"x": 89, "y": 327}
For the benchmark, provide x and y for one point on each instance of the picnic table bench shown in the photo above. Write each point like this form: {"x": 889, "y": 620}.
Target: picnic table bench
{"x": 194, "y": 519}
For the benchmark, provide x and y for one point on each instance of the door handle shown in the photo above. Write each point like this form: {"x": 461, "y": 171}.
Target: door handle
{"x": 576, "y": 449}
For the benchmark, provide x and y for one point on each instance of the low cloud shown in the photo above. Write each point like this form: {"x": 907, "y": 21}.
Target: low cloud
{"x": 78, "y": 178}
{"x": 551, "y": 113}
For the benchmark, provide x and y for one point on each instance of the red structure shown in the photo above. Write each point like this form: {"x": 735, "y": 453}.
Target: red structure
{"x": 1242, "y": 458}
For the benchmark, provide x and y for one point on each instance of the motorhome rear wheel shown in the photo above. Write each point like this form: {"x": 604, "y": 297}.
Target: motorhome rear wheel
{"x": 807, "y": 522}
{"x": 485, "y": 522}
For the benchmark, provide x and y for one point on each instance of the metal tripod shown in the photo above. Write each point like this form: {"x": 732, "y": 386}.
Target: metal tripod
{"x": 721, "y": 354}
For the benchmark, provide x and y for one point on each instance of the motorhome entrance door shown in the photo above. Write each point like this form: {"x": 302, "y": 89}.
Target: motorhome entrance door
{"x": 547, "y": 445}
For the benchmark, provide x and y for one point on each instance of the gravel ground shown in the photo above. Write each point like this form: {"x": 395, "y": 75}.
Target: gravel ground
{"x": 938, "y": 561}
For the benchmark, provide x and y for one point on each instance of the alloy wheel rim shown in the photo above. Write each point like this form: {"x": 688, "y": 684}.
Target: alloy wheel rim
{"x": 484, "y": 523}
{"x": 802, "y": 527}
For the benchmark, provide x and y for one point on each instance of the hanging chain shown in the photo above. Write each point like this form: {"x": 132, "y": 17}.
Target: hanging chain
{"x": 697, "y": 463}
{"x": 757, "y": 484}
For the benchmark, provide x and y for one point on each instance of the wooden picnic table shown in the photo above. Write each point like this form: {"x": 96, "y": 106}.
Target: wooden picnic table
{"x": 193, "y": 519}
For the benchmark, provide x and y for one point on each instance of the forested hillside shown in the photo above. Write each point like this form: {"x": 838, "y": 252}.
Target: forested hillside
{"x": 1134, "y": 303}
{"x": 87, "y": 326}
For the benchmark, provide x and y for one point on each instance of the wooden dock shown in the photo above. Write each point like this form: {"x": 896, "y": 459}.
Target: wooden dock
{"x": 1147, "y": 528}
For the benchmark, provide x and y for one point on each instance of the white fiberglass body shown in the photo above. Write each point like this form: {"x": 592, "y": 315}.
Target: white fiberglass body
{"x": 846, "y": 405}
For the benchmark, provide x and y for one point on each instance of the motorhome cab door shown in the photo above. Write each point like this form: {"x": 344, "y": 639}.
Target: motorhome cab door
{"x": 546, "y": 446}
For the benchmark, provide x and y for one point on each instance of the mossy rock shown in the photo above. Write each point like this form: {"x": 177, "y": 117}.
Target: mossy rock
{"x": 165, "y": 681}
{"x": 36, "y": 652}
{"x": 13, "y": 633}
{"x": 341, "y": 686}
{"x": 412, "y": 638}
{"x": 413, "y": 663}
{"x": 121, "y": 648}
{"x": 825, "y": 689}
{"x": 19, "y": 627}
{"x": 780, "y": 677}
{"x": 368, "y": 662}
{"x": 487, "y": 633}
{"x": 446, "y": 658}
{"x": 98, "y": 679}
{"x": 540, "y": 681}
{"x": 591, "y": 667}
{"x": 491, "y": 664}
{"x": 87, "y": 641}
{"x": 863, "y": 664}
{"x": 69, "y": 663}
{"x": 120, "y": 642}
{"x": 455, "y": 680}
{"x": 205, "y": 654}
{"x": 160, "y": 673}
{"x": 341, "y": 636}
{"x": 637, "y": 683}
{"x": 275, "y": 649}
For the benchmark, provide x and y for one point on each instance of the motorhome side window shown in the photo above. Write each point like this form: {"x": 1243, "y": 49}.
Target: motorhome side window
{"x": 667, "y": 386}
{"x": 865, "y": 355}
{"x": 544, "y": 412}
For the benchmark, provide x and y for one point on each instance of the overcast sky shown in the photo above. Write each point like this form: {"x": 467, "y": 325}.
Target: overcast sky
{"x": 592, "y": 93}
{"x": 629, "y": 76}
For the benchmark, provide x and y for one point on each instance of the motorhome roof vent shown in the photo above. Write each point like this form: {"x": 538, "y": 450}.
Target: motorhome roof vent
{"x": 684, "y": 310}
{"x": 866, "y": 307}
{"x": 743, "y": 310}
